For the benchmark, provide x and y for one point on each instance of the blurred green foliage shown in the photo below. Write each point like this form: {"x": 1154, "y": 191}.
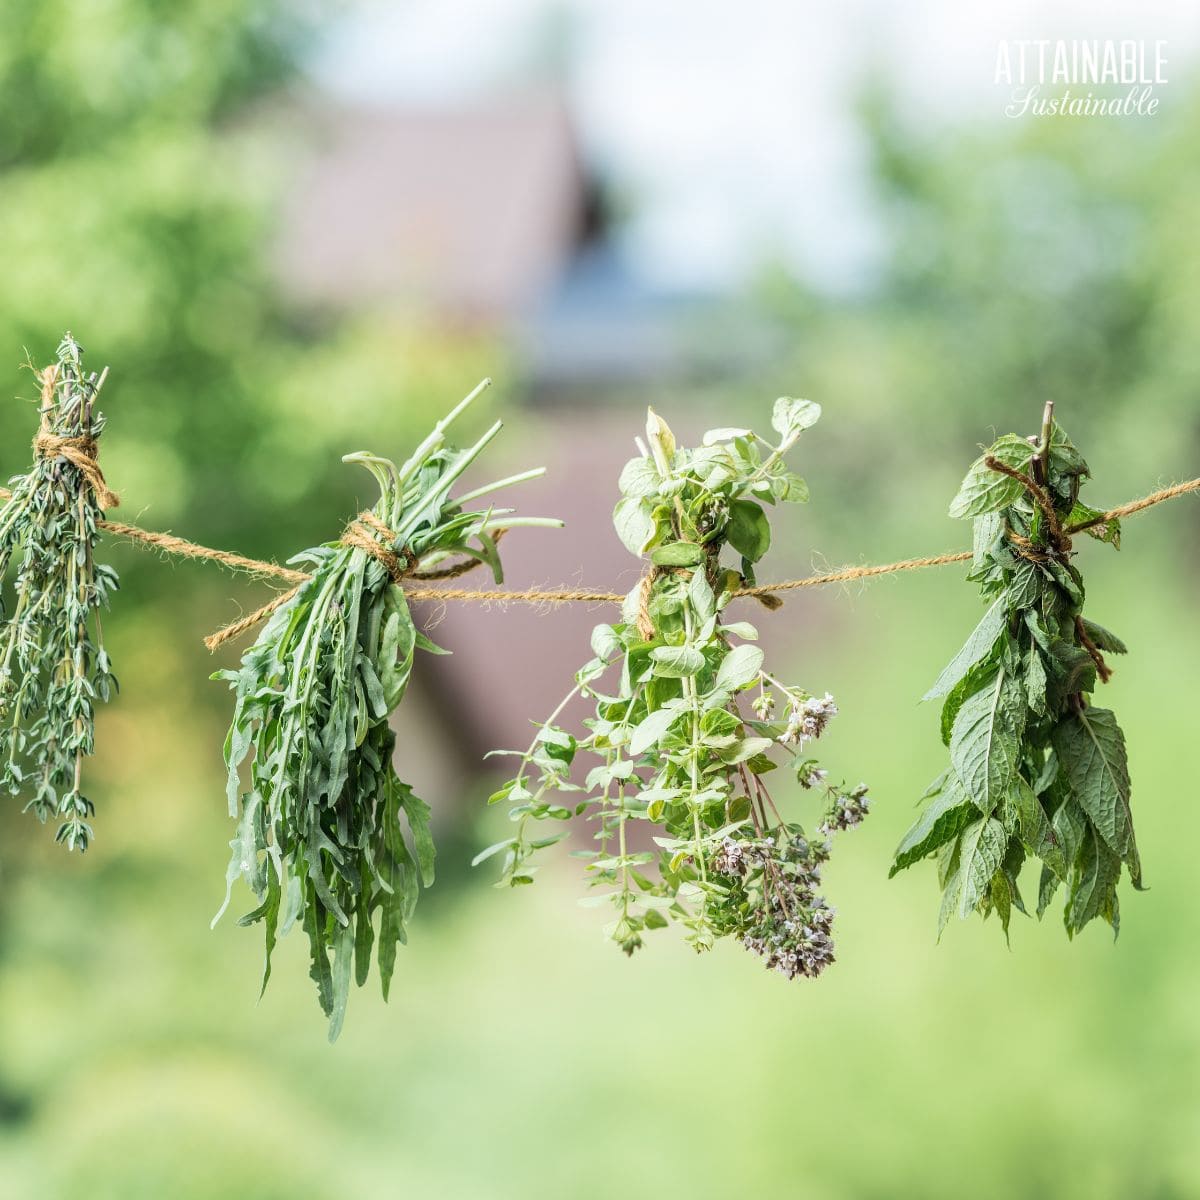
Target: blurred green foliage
{"x": 144, "y": 157}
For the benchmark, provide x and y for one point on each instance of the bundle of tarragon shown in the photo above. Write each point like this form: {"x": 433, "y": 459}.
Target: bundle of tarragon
{"x": 322, "y": 837}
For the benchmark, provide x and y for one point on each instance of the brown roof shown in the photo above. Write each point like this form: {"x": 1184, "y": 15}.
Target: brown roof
{"x": 469, "y": 212}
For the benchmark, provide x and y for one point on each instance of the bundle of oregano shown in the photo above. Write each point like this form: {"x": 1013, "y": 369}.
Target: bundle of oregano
{"x": 1036, "y": 770}
{"x": 677, "y": 753}
{"x": 53, "y": 667}
{"x": 321, "y": 837}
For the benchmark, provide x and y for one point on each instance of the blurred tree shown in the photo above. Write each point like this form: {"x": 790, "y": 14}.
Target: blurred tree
{"x": 145, "y": 147}
{"x": 1019, "y": 261}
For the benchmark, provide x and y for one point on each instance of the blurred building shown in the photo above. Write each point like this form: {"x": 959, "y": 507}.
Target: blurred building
{"x": 485, "y": 216}
{"x": 469, "y": 214}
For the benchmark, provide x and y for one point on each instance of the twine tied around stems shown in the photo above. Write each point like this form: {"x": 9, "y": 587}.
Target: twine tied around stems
{"x": 645, "y": 624}
{"x": 371, "y": 535}
{"x": 80, "y": 451}
{"x": 170, "y": 544}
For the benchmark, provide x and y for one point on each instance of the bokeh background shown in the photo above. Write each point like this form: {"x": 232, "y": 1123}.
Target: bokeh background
{"x": 299, "y": 229}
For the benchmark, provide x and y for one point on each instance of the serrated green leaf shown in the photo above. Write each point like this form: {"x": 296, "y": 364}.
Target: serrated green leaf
{"x": 1091, "y": 748}
{"x": 984, "y": 490}
{"x": 1036, "y": 830}
{"x": 981, "y": 642}
{"x": 1094, "y": 886}
{"x": 980, "y": 855}
{"x": 985, "y": 741}
{"x": 943, "y": 818}
{"x": 1104, "y": 639}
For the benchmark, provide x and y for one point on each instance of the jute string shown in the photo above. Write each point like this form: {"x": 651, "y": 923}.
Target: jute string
{"x": 170, "y": 544}
{"x": 80, "y": 451}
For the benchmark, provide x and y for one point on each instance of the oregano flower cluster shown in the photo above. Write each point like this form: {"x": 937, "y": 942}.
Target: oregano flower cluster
{"x": 1036, "y": 770}
{"x": 321, "y": 830}
{"x": 53, "y": 666}
{"x": 687, "y": 723}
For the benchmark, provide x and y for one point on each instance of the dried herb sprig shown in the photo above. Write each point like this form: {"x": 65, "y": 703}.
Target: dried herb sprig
{"x": 1036, "y": 771}
{"x": 53, "y": 666}
{"x": 320, "y": 838}
{"x": 676, "y": 752}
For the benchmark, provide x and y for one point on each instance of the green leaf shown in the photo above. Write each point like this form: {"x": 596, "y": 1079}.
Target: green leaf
{"x": 639, "y": 478}
{"x": 739, "y": 668}
{"x": 941, "y": 821}
{"x": 741, "y": 629}
{"x": 677, "y": 554}
{"x": 789, "y": 488}
{"x": 1036, "y": 830}
{"x": 985, "y": 490}
{"x": 605, "y": 642}
{"x": 634, "y": 523}
{"x": 982, "y": 851}
{"x": 978, "y": 646}
{"x": 651, "y": 730}
{"x": 1094, "y": 887}
{"x": 1108, "y": 531}
{"x": 790, "y": 417}
{"x": 319, "y": 972}
{"x": 1103, "y": 639}
{"x": 495, "y": 848}
{"x": 748, "y": 531}
{"x": 676, "y": 662}
{"x": 343, "y": 958}
{"x": 744, "y": 749}
{"x": 701, "y": 598}
{"x": 725, "y": 434}
{"x": 417, "y": 812}
{"x": 1091, "y": 748}
{"x": 1035, "y": 680}
{"x": 985, "y": 740}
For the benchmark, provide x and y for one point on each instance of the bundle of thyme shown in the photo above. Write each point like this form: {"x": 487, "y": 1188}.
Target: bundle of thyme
{"x": 321, "y": 836}
{"x": 53, "y": 667}
{"x": 677, "y": 753}
{"x": 1036, "y": 770}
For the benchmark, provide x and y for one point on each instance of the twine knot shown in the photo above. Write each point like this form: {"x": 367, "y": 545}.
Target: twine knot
{"x": 365, "y": 532}
{"x": 1057, "y": 548}
{"x": 645, "y": 624}
{"x": 1057, "y": 539}
{"x": 81, "y": 453}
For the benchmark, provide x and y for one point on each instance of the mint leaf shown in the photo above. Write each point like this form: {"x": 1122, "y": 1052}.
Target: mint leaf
{"x": 1025, "y": 744}
{"x": 984, "y": 490}
{"x": 944, "y": 817}
{"x": 984, "y": 743}
{"x": 978, "y": 646}
{"x": 982, "y": 851}
{"x": 1091, "y": 748}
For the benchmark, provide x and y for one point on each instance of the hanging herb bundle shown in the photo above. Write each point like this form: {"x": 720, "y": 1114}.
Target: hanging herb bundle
{"x": 321, "y": 837}
{"x": 53, "y": 667}
{"x": 677, "y": 753}
{"x": 1036, "y": 770}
